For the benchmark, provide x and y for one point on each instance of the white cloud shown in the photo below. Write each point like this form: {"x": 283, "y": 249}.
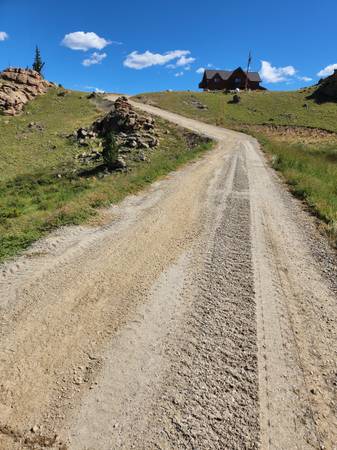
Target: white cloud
{"x": 95, "y": 89}
{"x": 3, "y": 36}
{"x": 272, "y": 74}
{"x": 200, "y": 70}
{"x": 95, "y": 58}
{"x": 306, "y": 79}
{"x": 179, "y": 74}
{"x": 81, "y": 40}
{"x": 185, "y": 61}
{"x": 139, "y": 61}
{"x": 328, "y": 70}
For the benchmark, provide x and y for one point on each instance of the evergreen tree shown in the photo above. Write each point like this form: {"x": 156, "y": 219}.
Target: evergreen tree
{"x": 38, "y": 64}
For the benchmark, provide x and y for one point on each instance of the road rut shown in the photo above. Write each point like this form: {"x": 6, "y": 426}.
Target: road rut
{"x": 202, "y": 315}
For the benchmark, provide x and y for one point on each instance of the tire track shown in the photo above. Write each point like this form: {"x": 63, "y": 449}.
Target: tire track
{"x": 211, "y": 395}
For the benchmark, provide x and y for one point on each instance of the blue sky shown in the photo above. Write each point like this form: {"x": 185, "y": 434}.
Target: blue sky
{"x": 139, "y": 46}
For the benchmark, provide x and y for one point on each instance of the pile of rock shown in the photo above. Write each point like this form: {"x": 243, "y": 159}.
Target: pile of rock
{"x": 19, "y": 86}
{"x": 132, "y": 130}
{"x": 83, "y": 135}
{"x": 134, "y": 134}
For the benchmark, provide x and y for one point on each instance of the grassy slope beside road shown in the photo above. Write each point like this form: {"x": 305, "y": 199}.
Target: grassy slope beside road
{"x": 288, "y": 125}
{"x": 43, "y": 185}
{"x": 256, "y": 108}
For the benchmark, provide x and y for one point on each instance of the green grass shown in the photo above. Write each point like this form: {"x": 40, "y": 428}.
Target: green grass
{"x": 42, "y": 184}
{"x": 311, "y": 172}
{"x": 310, "y": 169}
{"x": 26, "y": 151}
{"x": 255, "y": 108}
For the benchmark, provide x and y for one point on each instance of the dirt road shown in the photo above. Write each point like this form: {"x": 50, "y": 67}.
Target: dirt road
{"x": 200, "y": 315}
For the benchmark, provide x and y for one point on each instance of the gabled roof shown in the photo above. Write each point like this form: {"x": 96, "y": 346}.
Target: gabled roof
{"x": 225, "y": 74}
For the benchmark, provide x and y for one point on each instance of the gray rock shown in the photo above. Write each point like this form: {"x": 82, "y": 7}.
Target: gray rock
{"x": 142, "y": 156}
{"x": 121, "y": 162}
{"x": 143, "y": 144}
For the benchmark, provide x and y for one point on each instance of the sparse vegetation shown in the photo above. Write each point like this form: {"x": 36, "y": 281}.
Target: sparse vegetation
{"x": 289, "y": 126}
{"x": 42, "y": 183}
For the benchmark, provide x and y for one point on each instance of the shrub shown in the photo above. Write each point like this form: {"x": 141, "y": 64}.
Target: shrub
{"x": 110, "y": 150}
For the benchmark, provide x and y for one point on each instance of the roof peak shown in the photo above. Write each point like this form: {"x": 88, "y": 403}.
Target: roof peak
{"x": 225, "y": 74}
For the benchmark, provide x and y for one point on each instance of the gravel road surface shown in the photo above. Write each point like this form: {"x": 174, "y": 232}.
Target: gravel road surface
{"x": 200, "y": 314}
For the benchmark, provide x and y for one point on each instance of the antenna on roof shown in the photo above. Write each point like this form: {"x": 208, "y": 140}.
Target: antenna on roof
{"x": 248, "y": 67}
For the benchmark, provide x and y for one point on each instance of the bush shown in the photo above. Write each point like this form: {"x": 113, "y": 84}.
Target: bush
{"x": 110, "y": 151}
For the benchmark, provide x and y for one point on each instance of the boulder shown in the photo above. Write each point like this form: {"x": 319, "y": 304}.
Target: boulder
{"x": 236, "y": 98}
{"x": 19, "y": 86}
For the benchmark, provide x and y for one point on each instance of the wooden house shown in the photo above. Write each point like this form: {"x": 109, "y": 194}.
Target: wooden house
{"x": 226, "y": 80}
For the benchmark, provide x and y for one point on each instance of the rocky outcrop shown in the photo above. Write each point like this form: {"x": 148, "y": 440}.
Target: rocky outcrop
{"x": 18, "y": 87}
{"x": 327, "y": 89}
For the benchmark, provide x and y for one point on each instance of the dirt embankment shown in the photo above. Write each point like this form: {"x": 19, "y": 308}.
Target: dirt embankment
{"x": 293, "y": 134}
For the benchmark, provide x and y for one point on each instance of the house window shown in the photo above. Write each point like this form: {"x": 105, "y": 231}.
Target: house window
{"x": 237, "y": 80}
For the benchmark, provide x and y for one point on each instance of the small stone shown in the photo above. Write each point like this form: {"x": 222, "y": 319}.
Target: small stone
{"x": 78, "y": 381}
{"x": 132, "y": 143}
{"x": 144, "y": 144}
{"x": 34, "y": 429}
{"x": 121, "y": 162}
{"x": 142, "y": 156}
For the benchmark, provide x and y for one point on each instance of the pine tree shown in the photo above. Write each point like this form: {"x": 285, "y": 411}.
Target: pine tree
{"x": 38, "y": 64}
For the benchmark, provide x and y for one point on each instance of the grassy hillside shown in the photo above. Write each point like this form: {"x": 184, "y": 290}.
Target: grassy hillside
{"x": 299, "y": 135}
{"x": 255, "y": 108}
{"x": 42, "y": 183}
